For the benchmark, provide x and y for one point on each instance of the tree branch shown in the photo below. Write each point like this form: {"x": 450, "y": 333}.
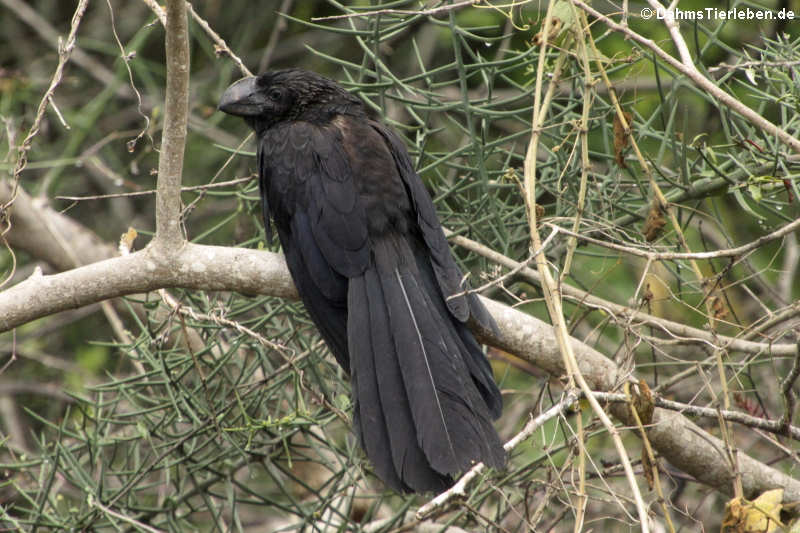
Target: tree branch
{"x": 191, "y": 266}
{"x": 200, "y": 267}
{"x": 459, "y": 490}
{"x": 173, "y": 141}
{"x": 684, "y": 444}
{"x": 31, "y": 229}
{"x": 625, "y": 314}
{"x": 675, "y": 256}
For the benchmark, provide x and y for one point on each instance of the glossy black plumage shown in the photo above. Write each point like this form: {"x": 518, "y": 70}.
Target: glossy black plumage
{"x": 373, "y": 268}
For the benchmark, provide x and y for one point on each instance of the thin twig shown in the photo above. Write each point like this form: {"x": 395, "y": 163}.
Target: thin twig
{"x": 219, "y": 42}
{"x": 701, "y": 81}
{"x": 787, "y": 389}
{"x": 459, "y": 490}
{"x": 672, "y": 256}
{"x": 184, "y": 188}
{"x": 514, "y": 271}
{"x": 620, "y": 313}
{"x": 650, "y": 454}
{"x": 222, "y": 46}
{"x": 93, "y": 502}
{"x": 126, "y": 59}
{"x": 552, "y": 291}
{"x": 423, "y": 12}
{"x": 772, "y": 426}
{"x": 64, "y": 51}
{"x": 753, "y": 64}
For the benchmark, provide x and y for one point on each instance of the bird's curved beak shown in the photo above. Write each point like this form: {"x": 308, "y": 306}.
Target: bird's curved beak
{"x": 242, "y": 99}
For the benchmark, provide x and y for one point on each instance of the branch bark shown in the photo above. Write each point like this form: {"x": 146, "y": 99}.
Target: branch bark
{"x": 248, "y": 271}
{"x": 191, "y": 266}
{"x": 176, "y": 112}
{"x": 33, "y": 224}
{"x": 683, "y": 443}
{"x": 621, "y": 313}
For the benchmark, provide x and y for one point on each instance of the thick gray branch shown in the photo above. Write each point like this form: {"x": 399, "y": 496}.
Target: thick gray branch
{"x": 173, "y": 140}
{"x": 683, "y": 443}
{"x": 43, "y": 232}
{"x": 192, "y": 266}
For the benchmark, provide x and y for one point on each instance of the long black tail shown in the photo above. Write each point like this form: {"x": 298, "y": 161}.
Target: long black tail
{"x": 424, "y": 395}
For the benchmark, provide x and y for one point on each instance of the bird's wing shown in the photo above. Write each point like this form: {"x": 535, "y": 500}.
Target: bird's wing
{"x": 306, "y": 170}
{"x": 448, "y": 275}
{"x": 307, "y": 185}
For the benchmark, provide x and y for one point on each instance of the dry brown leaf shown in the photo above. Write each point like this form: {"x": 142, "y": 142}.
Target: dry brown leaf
{"x": 718, "y": 308}
{"x": 655, "y": 222}
{"x": 647, "y": 468}
{"x": 762, "y": 515}
{"x": 621, "y": 138}
{"x": 643, "y": 401}
{"x": 126, "y": 241}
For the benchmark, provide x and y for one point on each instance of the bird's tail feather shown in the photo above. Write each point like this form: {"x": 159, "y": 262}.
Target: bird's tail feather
{"x": 420, "y": 415}
{"x": 478, "y": 365}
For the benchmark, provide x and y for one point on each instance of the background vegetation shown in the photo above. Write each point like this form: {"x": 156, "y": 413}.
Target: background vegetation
{"x": 186, "y": 409}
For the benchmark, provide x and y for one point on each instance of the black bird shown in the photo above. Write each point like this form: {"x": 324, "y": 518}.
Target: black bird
{"x": 372, "y": 266}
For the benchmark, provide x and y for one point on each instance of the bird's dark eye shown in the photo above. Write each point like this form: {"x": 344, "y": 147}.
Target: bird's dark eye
{"x": 275, "y": 95}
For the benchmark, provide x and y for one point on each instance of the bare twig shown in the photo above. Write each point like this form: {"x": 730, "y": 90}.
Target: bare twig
{"x": 220, "y": 44}
{"x": 622, "y": 313}
{"x": 514, "y": 271}
{"x": 764, "y": 424}
{"x": 650, "y": 454}
{"x": 552, "y": 290}
{"x": 93, "y": 502}
{"x": 678, "y": 440}
{"x": 99, "y": 72}
{"x": 459, "y": 490}
{"x": 126, "y": 59}
{"x": 434, "y": 11}
{"x": 49, "y": 34}
{"x": 64, "y": 51}
{"x": 672, "y": 256}
{"x": 184, "y": 188}
{"x": 259, "y": 272}
{"x": 787, "y": 389}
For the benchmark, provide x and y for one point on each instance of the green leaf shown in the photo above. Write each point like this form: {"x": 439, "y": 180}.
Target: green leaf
{"x": 737, "y": 193}
{"x": 755, "y": 191}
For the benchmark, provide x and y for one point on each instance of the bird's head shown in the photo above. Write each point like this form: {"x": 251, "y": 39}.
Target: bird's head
{"x": 290, "y": 94}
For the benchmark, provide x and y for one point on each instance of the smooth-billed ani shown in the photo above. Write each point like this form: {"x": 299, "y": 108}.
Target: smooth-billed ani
{"x": 372, "y": 266}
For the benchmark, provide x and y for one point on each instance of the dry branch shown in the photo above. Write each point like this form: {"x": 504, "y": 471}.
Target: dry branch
{"x": 684, "y": 444}
{"x": 624, "y": 314}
